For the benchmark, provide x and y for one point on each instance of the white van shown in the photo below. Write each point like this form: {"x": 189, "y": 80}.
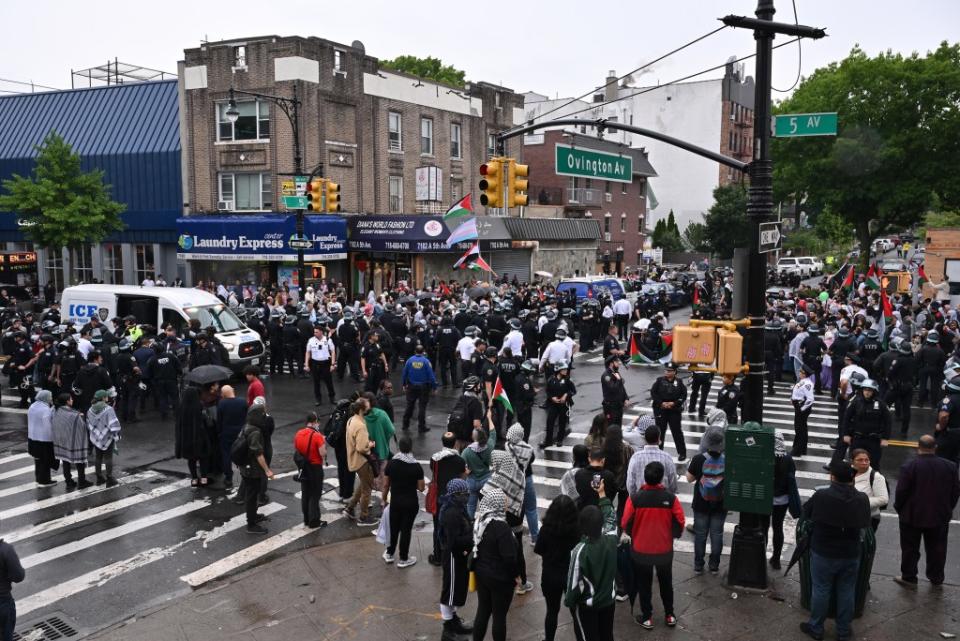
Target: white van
{"x": 158, "y": 306}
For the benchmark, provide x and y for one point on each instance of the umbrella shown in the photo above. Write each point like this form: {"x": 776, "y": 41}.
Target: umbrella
{"x": 543, "y": 274}
{"x": 404, "y": 300}
{"x": 425, "y": 295}
{"x": 206, "y": 374}
{"x": 802, "y": 546}
{"x": 625, "y": 565}
{"x": 478, "y": 292}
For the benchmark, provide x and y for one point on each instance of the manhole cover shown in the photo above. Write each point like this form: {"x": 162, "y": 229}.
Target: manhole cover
{"x": 51, "y": 628}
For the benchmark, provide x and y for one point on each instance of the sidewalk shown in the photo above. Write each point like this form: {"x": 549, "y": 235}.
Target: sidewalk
{"x": 344, "y": 591}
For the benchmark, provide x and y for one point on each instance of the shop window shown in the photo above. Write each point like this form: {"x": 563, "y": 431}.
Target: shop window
{"x": 396, "y": 194}
{"x": 82, "y": 259}
{"x": 247, "y": 191}
{"x": 491, "y": 145}
{"x": 426, "y": 136}
{"x": 55, "y": 268}
{"x": 395, "y": 130}
{"x": 113, "y": 264}
{"x": 455, "y": 149}
{"x": 145, "y": 266}
{"x": 252, "y": 124}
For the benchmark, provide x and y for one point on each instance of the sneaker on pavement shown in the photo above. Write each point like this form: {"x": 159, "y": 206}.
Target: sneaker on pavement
{"x": 622, "y": 596}
{"x": 387, "y": 557}
{"x": 646, "y": 624}
{"x": 523, "y": 588}
{"x": 366, "y": 521}
{"x": 407, "y": 562}
{"x": 256, "y": 529}
{"x": 670, "y": 620}
{"x": 348, "y": 513}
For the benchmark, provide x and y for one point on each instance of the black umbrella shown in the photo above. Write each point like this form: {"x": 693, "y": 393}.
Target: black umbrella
{"x": 206, "y": 374}
{"x": 625, "y": 565}
{"x": 405, "y": 300}
{"x": 478, "y": 292}
{"x": 425, "y": 295}
{"x": 802, "y": 545}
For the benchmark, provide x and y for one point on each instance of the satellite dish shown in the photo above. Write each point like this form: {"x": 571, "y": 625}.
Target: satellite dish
{"x": 356, "y": 44}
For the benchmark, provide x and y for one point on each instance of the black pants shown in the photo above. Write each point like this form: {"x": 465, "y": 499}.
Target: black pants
{"x": 493, "y": 600}
{"x": 375, "y": 374}
{"x": 621, "y": 322}
{"x": 294, "y": 358}
{"x": 311, "y": 490}
{"x": 644, "y": 574}
{"x": 835, "y": 368}
{"x": 671, "y": 419}
{"x": 250, "y": 490}
{"x": 103, "y": 461}
{"x": 8, "y": 618}
{"x": 349, "y": 355}
{"x": 800, "y": 429}
{"x": 699, "y": 390}
{"x": 817, "y": 368}
{"x": 320, "y": 372}
{"x": 948, "y": 444}
{"x": 167, "y": 395}
{"x": 276, "y": 360}
{"x": 591, "y": 624}
{"x": 43, "y": 459}
{"x": 345, "y": 478}
{"x": 557, "y": 416}
{"x": 553, "y": 595}
{"x": 614, "y": 413}
{"x": 197, "y": 467}
{"x": 931, "y": 382}
{"x": 934, "y": 545}
{"x": 402, "y": 517}
{"x": 901, "y": 395}
{"x": 417, "y": 394}
{"x": 127, "y": 406}
{"x": 776, "y": 520}
{"x": 466, "y": 369}
{"x": 516, "y": 523}
{"x": 774, "y": 365}
{"x": 80, "y": 472}
{"x": 448, "y": 367}
{"x": 525, "y": 418}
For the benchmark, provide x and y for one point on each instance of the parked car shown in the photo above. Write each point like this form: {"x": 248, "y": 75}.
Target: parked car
{"x": 790, "y": 265}
{"x": 809, "y": 265}
{"x": 882, "y": 245}
{"x": 590, "y": 287}
{"x": 676, "y": 296}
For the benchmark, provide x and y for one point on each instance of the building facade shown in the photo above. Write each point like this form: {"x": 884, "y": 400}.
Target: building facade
{"x": 131, "y": 133}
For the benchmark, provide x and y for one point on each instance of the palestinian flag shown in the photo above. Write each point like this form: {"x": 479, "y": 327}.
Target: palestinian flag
{"x": 471, "y": 254}
{"x": 480, "y": 264}
{"x": 886, "y": 317}
{"x": 848, "y": 280}
{"x": 922, "y": 276}
{"x": 873, "y": 277}
{"x": 460, "y": 208}
{"x": 637, "y": 355}
{"x": 499, "y": 394}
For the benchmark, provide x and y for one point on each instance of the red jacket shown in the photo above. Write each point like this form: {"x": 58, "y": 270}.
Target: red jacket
{"x": 254, "y": 390}
{"x": 653, "y": 518}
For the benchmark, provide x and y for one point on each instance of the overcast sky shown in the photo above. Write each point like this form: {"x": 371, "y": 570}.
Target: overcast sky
{"x": 556, "y": 47}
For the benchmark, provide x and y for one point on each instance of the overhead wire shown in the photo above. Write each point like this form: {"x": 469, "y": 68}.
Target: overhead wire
{"x": 633, "y": 71}
{"x": 796, "y": 81}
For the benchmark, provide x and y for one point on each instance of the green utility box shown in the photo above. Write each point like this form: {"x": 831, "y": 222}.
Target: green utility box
{"x": 748, "y": 472}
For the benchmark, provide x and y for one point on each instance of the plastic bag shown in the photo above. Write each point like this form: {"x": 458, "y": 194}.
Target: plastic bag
{"x": 383, "y": 531}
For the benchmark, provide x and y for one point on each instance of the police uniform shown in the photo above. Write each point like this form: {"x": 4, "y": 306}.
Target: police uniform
{"x": 558, "y": 413}
{"x": 866, "y": 422}
{"x": 372, "y": 355}
{"x": 129, "y": 374}
{"x": 614, "y": 395}
{"x": 447, "y": 357}
{"x": 841, "y": 346}
{"x": 900, "y": 377}
{"x": 347, "y": 338}
{"x": 662, "y": 391}
{"x": 813, "y": 348}
{"x": 730, "y": 401}
{"x": 802, "y": 399}
{"x": 773, "y": 355}
{"x": 508, "y": 369}
{"x": 948, "y": 438}
{"x": 700, "y": 384}
{"x": 21, "y": 356}
{"x": 292, "y": 348}
{"x": 164, "y": 371}
{"x": 930, "y": 361}
{"x": 321, "y": 354}
{"x": 526, "y": 399}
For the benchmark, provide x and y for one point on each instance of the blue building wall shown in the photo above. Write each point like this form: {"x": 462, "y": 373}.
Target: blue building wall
{"x": 131, "y": 132}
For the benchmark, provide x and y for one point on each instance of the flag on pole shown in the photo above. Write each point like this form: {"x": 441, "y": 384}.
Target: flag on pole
{"x": 466, "y": 231}
{"x": 886, "y": 317}
{"x": 474, "y": 251}
{"x": 848, "y": 281}
{"x": 479, "y": 263}
{"x": 922, "y": 276}
{"x": 696, "y": 294}
{"x": 460, "y": 208}
{"x": 873, "y": 277}
{"x": 499, "y": 394}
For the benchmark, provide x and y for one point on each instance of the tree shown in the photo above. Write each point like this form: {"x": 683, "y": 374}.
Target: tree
{"x": 428, "y": 68}
{"x": 832, "y": 228}
{"x": 695, "y": 237}
{"x": 898, "y": 143}
{"x": 938, "y": 219}
{"x": 666, "y": 235}
{"x": 726, "y": 223}
{"x": 61, "y": 205}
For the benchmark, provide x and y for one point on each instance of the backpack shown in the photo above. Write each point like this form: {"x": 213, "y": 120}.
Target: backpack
{"x": 710, "y": 485}
{"x": 873, "y": 475}
{"x": 240, "y": 450}
{"x": 457, "y": 420}
{"x": 336, "y": 426}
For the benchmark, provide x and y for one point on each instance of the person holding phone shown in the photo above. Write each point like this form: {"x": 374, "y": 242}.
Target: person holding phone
{"x": 588, "y": 479}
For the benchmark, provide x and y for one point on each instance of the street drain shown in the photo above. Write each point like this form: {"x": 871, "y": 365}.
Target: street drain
{"x": 48, "y": 629}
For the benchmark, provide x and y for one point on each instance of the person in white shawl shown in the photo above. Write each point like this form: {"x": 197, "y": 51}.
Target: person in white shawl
{"x": 70, "y": 441}
{"x": 104, "y": 427}
{"x": 523, "y": 456}
{"x": 508, "y": 478}
{"x": 40, "y": 437}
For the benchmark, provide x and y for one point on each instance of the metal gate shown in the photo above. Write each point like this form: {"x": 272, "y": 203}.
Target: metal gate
{"x": 512, "y": 263}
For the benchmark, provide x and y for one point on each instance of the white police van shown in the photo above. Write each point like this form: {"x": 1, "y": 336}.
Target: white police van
{"x": 159, "y": 306}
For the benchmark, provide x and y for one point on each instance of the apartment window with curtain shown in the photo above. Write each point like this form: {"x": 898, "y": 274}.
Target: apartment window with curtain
{"x": 426, "y": 136}
{"x": 113, "y": 264}
{"x": 83, "y": 264}
{"x": 248, "y": 192}
{"x": 395, "y": 130}
{"x": 455, "y": 149}
{"x": 396, "y": 194}
{"x": 145, "y": 265}
{"x": 253, "y": 123}
{"x": 623, "y": 224}
{"x": 491, "y": 145}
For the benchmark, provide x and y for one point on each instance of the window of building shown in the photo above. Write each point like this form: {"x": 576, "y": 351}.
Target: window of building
{"x": 491, "y": 145}
{"x": 247, "y": 191}
{"x": 455, "y": 150}
{"x": 145, "y": 266}
{"x": 588, "y": 183}
{"x": 395, "y": 130}
{"x": 396, "y": 194}
{"x": 252, "y": 124}
{"x": 623, "y": 188}
{"x": 426, "y": 136}
{"x": 82, "y": 259}
{"x": 113, "y": 264}
{"x": 55, "y": 268}
{"x": 606, "y": 188}
{"x": 337, "y": 60}
{"x": 623, "y": 223}
{"x": 643, "y": 189}
{"x": 456, "y": 189}
{"x": 606, "y": 224}
{"x": 240, "y": 56}
{"x": 640, "y": 224}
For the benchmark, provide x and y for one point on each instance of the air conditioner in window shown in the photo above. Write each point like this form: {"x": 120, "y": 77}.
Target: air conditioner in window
{"x": 224, "y": 205}
{"x": 606, "y": 237}
{"x": 608, "y": 197}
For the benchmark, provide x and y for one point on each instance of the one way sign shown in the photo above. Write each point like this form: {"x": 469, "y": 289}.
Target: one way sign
{"x": 770, "y": 237}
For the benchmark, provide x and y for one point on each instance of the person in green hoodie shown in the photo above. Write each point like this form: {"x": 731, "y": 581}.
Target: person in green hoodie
{"x": 380, "y": 428}
{"x": 591, "y": 584}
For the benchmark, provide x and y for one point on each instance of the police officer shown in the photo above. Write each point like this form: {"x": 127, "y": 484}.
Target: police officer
{"x": 47, "y": 364}
{"x": 447, "y": 356}
{"x": 870, "y": 349}
{"x": 165, "y": 370}
{"x": 304, "y": 329}
{"x": 549, "y": 330}
{"x": 560, "y": 393}
{"x": 668, "y": 394}
{"x": 176, "y": 347}
{"x": 901, "y": 377}
{"x": 526, "y": 397}
{"x": 348, "y": 342}
{"x": 841, "y": 346}
{"x": 948, "y": 422}
{"x": 611, "y": 344}
{"x": 729, "y": 399}
{"x": 773, "y": 347}
{"x": 69, "y": 363}
{"x": 129, "y": 373}
{"x": 319, "y": 359}
{"x": 292, "y": 347}
{"x": 812, "y": 348}
{"x": 514, "y": 338}
{"x": 614, "y": 392}
{"x": 489, "y": 372}
{"x": 496, "y": 327}
{"x": 21, "y": 361}
{"x": 373, "y": 363}
{"x": 881, "y": 366}
{"x": 931, "y": 360}
{"x": 428, "y": 336}
{"x": 508, "y": 368}
{"x": 418, "y": 382}
{"x": 866, "y": 423}
{"x": 700, "y": 384}
{"x": 275, "y": 334}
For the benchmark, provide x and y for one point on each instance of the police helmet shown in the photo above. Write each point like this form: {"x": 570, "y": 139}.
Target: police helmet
{"x": 523, "y": 313}
{"x": 560, "y": 333}
{"x": 872, "y": 334}
{"x": 954, "y": 384}
{"x": 275, "y": 313}
{"x": 471, "y": 383}
{"x": 551, "y": 314}
{"x": 515, "y": 323}
{"x": 258, "y": 313}
{"x": 561, "y": 365}
{"x": 462, "y": 307}
{"x": 471, "y": 331}
{"x": 801, "y": 318}
{"x": 813, "y": 329}
{"x": 334, "y": 307}
{"x": 490, "y": 352}
{"x": 289, "y": 320}
{"x": 123, "y": 345}
{"x": 474, "y": 307}
{"x": 567, "y": 311}
{"x": 905, "y": 347}
{"x": 65, "y": 344}
{"x": 869, "y": 383}
{"x": 933, "y": 336}
{"x": 528, "y": 366}
{"x": 843, "y": 331}
{"x": 348, "y": 314}
{"x": 857, "y": 379}
{"x": 48, "y": 325}
{"x": 670, "y": 365}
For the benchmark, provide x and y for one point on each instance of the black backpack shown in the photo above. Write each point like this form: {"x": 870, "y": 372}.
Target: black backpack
{"x": 336, "y": 427}
{"x": 240, "y": 450}
{"x": 458, "y": 422}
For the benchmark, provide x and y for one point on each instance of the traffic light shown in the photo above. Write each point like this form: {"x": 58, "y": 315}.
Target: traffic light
{"x": 315, "y": 194}
{"x": 490, "y": 185}
{"x": 516, "y": 180}
{"x": 333, "y": 197}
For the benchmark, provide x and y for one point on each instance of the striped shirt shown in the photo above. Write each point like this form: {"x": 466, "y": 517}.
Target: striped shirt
{"x": 640, "y": 460}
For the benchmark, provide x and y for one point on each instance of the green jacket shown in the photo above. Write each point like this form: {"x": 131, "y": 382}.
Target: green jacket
{"x": 381, "y": 430}
{"x": 591, "y": 579}
{"x": 479, "y": 464}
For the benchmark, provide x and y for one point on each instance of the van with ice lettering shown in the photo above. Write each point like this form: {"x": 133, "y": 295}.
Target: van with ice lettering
{"x": 159, "y": 306}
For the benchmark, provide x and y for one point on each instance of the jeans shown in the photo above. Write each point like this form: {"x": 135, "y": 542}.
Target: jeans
{"x": 530, "y": 509}
{"x": 704, "y": 522}
{"x": 8, "y": 618}
{"x": 824, "y": 574}
{"x": 475, "y": 486}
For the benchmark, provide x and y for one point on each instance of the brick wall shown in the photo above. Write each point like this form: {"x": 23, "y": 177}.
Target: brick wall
{"x": 941, "y": 244}
{"x": 736, "y": 138}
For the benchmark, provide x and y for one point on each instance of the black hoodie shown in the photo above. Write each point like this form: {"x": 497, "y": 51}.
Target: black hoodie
{"x": 838, "y": 513}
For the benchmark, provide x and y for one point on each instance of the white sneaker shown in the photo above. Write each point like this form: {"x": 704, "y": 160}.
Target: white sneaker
{"x": 523, "y": 588}
{"x": 387, "y": 557}
{"x": 405, "y": 563}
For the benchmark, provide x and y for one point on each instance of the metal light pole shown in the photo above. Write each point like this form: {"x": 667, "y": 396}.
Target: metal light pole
{"x": 291, "y": 108}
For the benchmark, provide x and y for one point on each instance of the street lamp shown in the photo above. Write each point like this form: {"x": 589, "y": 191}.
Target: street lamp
{"x": 232, "y": 113}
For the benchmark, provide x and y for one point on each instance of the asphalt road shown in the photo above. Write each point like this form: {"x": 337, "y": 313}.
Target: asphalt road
{"x": 101, "y": 555}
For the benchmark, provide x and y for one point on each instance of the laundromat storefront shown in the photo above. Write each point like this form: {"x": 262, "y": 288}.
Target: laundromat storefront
{"x": 388, "y": 249}
{"x": 256, "y": 248}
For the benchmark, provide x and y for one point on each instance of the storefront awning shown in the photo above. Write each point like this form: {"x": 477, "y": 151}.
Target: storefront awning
{"x": 259, "y": 237}
{"x": 420, "y": 233}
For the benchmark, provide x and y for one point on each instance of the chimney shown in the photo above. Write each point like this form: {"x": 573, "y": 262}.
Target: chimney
{"x": 610, "y": 90}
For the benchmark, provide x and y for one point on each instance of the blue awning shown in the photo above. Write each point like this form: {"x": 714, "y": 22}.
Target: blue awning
{"x": 259, "y": 237}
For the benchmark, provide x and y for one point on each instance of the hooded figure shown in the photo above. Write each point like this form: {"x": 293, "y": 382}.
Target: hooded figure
{"x": 191, "y": 441}
{"x": 104, "y": 427}
{"x": 40, "y": 437}
{"x": 456, "y": 542}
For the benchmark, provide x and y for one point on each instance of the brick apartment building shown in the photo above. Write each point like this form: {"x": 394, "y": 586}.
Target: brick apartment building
{"x": 619, "y": 207}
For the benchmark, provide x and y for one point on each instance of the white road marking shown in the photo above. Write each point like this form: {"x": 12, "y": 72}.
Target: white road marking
{"x": 16, "y": 489}
{"x": 72, "y": 496}
{"x": 98, "y": 578}
{"x": 776, "y": 421}
{"x": 9, "y": 474}
{"x": 14, "y": 457}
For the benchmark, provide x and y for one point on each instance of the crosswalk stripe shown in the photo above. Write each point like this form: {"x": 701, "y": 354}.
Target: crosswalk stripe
{"x": 16, "y": 489}
{"x": 97, "y": 578}
{"x": 629, "y": 418}
{"x": 669, "y": 445}
{"x": 112, "y": 533}
{"x": 94, "y": 512}
{"x": 12, "y": 410}
{"x": 777, "y": 421}
{"x": 9, "y": 474}
{"x": 14, "y": 457}
{"x": 72, "y": 496}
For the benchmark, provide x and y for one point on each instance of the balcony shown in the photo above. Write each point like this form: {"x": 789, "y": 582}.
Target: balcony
{"x": 583, "y": 197}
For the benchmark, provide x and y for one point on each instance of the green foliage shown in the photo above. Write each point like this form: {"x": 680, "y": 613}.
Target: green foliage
{"x": 666, "y": 235}
{"x": 428, "y": 68}
{"x": 834, "y": 229}
{"x": 61, "y": 205}
{"x": 938, "y": 219}
{"x": 897, "y": 147}
{"x": 726, "y": 223}
{"x": 695, "y": 237}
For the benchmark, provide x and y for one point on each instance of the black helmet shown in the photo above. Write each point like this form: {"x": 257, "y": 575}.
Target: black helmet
{"x": 813, "y": 329}
{"x": 670, "y": 365}
{"x": 551, "y": 314}
{"x": 129, "y": 318}
{"x": 490, "y": 352}
{"x": 123, "y": 345}
{"x": 906, "y": 347}
{"x": 471, "y": 383}
{"x": 471, "y": 331}
{"x": 872, "y": 334}
{"x": 515, "y": 323}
